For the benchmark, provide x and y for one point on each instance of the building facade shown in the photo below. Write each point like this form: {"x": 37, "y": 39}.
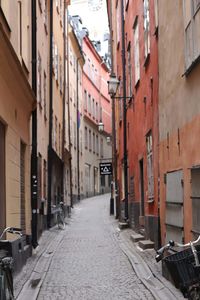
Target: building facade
{"x": 96, "y": 110}
{"x": 17, "y": 101}
{"x": 42, "y": 53}
{"x": 179, "y": 119}
{"x": 75, "y": 64}
{"x": 135, "y": 62}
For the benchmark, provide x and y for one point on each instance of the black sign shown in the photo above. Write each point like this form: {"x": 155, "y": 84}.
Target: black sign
{"x": 105, "y": 168}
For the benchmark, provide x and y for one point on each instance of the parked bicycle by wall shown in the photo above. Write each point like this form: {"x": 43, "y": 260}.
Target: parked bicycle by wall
{"x": 183, "y": 266}
{"x": 6, "y": 267}
{"x": 59, "y": 210}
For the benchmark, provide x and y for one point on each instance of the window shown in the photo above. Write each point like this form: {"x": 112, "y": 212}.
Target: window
{"x": 129, "y": 77}
{"x": 136, "y": 51}
{"x": 39, "y": 80}
{"x": 149, "y": 145}
{"x": 146, "y": 29}
{"x": 40, "y": 5}
{"x": 57, "y": 6}
{"x": 85, "y": 99}
{"x": 45, "y": 16}
{"x": 75, "y": 128}
{"x": 81, "y": 141}
{"x": 101, "y": 149}
{"x": 93, "y": 108}
{"x": 90, "y": 140}
{"x": 156, "y": 13}
{"x": 45, "y": 179}
{"x": 89, "y": 104}
{"x": 55, "y": 134}
{"x": 86, "y": 138}
{"x": 56, "y": 62}
{"x": 45, "y": 95}
{"x": 192, "y": 32}
{"x": 97, "y": 112}
{"x": 53, "y": 53}
{"x": 61, "y": 75}
{"x": 60, "y": 141}
{"x": 97, "y": 144}
{"x": 94, "y": 144}
{"x": 101, "y": 113}
{"x": 103, "y": 181}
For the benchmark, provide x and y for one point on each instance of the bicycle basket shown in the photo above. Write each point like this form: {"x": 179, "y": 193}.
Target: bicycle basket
{"x": 181, "y": 267}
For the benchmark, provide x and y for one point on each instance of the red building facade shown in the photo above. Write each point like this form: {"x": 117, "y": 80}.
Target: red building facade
{"x": 141, "y": 69}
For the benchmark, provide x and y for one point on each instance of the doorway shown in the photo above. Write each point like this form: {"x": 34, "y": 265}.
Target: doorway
{"x": 141, "y": 188}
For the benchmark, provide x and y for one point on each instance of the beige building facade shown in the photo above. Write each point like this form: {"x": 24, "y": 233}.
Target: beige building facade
{"x": 42, "y": 53}
{"x": 75, "y": 64}
{"x": 16, "y": 104}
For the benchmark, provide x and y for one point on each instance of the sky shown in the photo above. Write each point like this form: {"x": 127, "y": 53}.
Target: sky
{"x": 94, "y": 17}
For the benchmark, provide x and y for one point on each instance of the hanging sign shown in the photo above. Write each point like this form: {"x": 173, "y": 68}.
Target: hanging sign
{"x": 105, "y": 168}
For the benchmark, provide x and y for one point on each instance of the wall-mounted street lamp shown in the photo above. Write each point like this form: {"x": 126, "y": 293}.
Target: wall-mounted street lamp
{"x": 101, "y": 127}
{"x": 108, "y": 140}
{"x": 113, "y": 85}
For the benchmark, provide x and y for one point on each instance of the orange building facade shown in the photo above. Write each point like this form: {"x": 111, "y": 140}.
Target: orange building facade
{"x": 140, "y": 72}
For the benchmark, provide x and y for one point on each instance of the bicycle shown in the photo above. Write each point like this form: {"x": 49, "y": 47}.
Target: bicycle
{"x": 6, "y": 267}
{"x": 183, "y": 266}
{"x": 60, "y": 215}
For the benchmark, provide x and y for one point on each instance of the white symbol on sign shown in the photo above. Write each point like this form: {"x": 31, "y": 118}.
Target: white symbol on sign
{"x": 105, "y": 169}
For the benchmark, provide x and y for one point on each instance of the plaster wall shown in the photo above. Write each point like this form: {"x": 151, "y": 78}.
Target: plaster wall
{"x": 179, "y": 109}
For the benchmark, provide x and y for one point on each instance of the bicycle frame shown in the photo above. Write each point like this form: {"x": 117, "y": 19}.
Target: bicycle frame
{"x": 6, "y": 262}
{"x": 183, "y": 266}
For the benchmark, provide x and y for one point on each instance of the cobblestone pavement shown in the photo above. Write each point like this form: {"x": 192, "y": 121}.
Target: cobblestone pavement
{"x": 88, "y": 263}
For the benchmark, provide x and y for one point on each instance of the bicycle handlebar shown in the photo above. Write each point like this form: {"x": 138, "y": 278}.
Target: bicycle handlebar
{"x": 172, "y": 244}
{"x": 13, "y": 230}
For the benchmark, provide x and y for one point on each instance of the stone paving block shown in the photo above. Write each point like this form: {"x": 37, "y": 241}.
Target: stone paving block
{"x": 123, "y": 225}
{"x": 146, "y": 244}
{"x": 136, "y": 237}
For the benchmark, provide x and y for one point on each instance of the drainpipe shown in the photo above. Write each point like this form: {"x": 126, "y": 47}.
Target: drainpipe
{"x": 124, "y": 113}
{"x": 34, "y": 207}
{"x": 77, "y": 122}
{"x": 69, "y": 129}
{"x": 50, "y": 115}
{"x": 114, "y": 151}
{"x": 64, "y": 95}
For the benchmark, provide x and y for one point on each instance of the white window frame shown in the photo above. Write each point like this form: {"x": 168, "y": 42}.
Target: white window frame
{"x": 136, "y": 51}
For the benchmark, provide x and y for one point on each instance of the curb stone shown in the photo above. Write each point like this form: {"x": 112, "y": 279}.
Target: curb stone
{"x": 152, "y": 279}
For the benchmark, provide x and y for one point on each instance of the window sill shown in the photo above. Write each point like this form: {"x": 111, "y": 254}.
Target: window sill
{"x": 146, "y": 61}
{"x": 137, "y": 84}
{"x": 192, "y": 66}
{"x": 150, "y": 201}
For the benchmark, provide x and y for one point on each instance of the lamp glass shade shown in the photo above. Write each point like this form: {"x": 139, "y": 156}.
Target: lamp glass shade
{"x": 100, "y": 126}
{"x": 113, "y": 85}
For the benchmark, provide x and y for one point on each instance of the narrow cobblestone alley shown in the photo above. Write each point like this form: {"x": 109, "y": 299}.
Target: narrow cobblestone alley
{"x": 88, "y": 263}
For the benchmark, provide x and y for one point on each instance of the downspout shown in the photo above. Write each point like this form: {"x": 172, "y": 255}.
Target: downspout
{"x": 69, "y": 129}
{"x": 50, "y": 115}
{"x": 64, "y": 95}
{"x": 77, "y": 122}
{"x": 114, "y": 152}
{"x": 34, "y": 207}
{"x": 124, "y": 113}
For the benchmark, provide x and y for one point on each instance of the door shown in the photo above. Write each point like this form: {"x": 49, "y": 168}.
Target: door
{"x": 174, "y": 206}
{"x": 2, "y": 178}
{"x": 22, "y": 187}
{"x": 141, "y": 188}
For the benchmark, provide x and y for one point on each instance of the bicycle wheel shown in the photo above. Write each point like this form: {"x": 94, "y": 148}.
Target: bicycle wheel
{"x": 6, "y": 290}
{"x": 61, "y": 220}
{"x": 194, "y": 293}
